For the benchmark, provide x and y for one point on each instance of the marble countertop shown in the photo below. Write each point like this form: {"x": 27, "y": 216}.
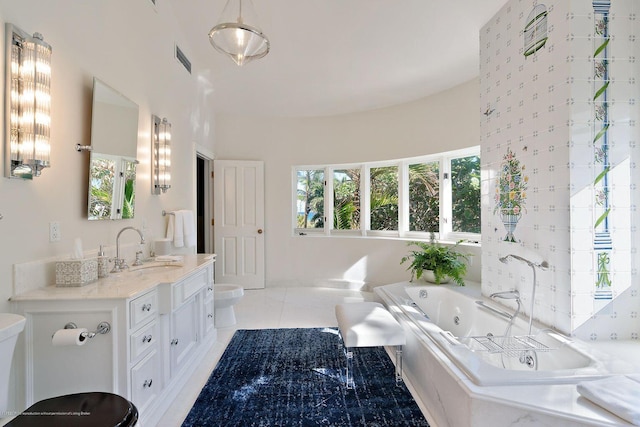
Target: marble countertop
{"x": 127, "y": 284}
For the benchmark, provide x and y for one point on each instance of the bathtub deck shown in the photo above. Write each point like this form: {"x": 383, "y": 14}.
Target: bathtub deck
{"x": 454, "y": 400}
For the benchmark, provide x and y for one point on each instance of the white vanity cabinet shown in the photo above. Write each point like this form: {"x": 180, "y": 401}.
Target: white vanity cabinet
{"x": 161, "y": 329}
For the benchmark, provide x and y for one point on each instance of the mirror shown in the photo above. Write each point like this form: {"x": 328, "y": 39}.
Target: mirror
{"x": 112, "y": 168}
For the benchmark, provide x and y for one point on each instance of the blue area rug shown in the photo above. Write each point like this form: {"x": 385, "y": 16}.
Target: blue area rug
{"x": 295, "y": 377}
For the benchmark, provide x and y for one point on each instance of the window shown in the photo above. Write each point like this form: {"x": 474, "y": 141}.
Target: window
{"x": 346, "y": 199}
{"x": 383, "y": 198}
{"x": 409, "y": 198}
{"x": 465, "y": 200}
{"x": 310, "y": 199}
{"x": 424, "y": 197}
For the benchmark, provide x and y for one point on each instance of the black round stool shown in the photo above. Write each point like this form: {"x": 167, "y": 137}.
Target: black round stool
{"x": 96, "y": 409}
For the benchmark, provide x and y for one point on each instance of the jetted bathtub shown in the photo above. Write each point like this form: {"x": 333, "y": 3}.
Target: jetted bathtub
{"x": 472, "y": 332}
{"x": 462, "y": 373}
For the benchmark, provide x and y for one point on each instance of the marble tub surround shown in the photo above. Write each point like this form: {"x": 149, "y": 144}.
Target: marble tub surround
{"x": 453, "y": 399}
{"x": 126, "y": 284}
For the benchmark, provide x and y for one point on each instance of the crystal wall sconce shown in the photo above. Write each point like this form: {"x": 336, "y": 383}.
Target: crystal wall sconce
{"x": 27, "y": 104}
{"x": 161, "y": 155}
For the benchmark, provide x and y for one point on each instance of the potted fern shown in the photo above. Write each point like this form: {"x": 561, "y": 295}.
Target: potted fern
{"x": 436, "y": 263}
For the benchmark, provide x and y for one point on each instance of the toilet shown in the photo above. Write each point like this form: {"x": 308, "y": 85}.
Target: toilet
{"x": 224, "y": 298}
{"x": 101, "y": 409}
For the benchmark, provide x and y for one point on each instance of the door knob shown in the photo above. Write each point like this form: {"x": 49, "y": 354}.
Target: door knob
{"x": 259, "y": 230}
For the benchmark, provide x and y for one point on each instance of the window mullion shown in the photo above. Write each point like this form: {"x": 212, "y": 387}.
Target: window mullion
{"x": 445, "y": 198}
{"x": 403, "y": 198}
{"x": 328, "y": 200}
{"x": 365, "y": 188}
{"x": 294, "y": 216}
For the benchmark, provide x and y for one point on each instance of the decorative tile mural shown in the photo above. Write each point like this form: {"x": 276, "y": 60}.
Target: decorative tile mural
{"x": 558, "y": 137}
{"x": 511, "y": 193}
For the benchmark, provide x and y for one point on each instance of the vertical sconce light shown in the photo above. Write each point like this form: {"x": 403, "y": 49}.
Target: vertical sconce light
{"x": 161, "y": 152}
{"x": 27, "y": 104}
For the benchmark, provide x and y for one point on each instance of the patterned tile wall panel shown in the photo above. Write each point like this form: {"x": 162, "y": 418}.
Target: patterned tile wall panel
{"x": 538, "y": 109}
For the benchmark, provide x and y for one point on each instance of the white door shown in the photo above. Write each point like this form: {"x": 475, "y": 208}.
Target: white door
{"x": 239, "y": 222}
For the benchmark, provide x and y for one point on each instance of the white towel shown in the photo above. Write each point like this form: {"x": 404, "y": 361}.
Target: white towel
{"x": 171, "y": 226}
{"x": 175, "y": 229}
{"x": 619, "y": 395}
{"x": 189, "y": 228}
{"x": 181, "y": 229}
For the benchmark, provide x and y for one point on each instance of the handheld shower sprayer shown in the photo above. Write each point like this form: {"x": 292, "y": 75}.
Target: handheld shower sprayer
{"x": 542, "y": 265}
{"x": 514, "y": 294}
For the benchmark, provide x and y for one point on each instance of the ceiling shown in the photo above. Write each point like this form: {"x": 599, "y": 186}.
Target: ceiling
{"x": 339, "y": 56}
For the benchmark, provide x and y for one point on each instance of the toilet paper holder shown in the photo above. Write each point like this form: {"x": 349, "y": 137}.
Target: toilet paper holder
{"x": 103, "y": 328}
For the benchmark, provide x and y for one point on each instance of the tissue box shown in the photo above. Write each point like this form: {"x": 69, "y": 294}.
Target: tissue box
{"x": 77, "y": 272}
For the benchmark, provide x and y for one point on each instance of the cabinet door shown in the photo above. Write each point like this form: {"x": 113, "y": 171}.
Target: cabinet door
{"x": 208, "y": 316}
{"x": 207, "y": 321}
{"x": 145, "y": 381}
{"x": 184, "y": 332}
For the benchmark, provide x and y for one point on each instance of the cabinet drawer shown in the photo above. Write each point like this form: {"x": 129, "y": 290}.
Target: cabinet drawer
{"x": 189, "y": 287}
{"x": 143, "y": 308}
{"x": 143, "y": 340}
{"x": 145, "y": 381}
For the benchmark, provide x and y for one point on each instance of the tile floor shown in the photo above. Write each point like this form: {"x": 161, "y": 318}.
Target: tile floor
{"x": 262, "y": 309}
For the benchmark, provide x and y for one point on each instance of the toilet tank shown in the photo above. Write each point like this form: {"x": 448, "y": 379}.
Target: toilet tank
{"x": 10, "y": 327}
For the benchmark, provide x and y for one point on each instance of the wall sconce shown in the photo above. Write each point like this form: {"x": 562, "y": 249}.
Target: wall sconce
{"x": 27, "y": 104}
{"x": 161, "y": 153}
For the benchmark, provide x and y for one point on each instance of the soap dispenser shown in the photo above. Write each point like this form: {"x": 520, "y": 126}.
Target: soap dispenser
{"x": 103, "y": 263}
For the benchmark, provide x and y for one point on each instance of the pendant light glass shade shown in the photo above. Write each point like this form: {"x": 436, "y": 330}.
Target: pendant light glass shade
{"x": 238, "y": 34}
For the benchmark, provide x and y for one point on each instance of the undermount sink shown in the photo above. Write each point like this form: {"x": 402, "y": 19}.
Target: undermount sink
{"x": 156, "y": 265}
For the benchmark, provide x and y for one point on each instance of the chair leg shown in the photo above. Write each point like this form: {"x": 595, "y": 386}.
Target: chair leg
{"x": 399, "y": 379}
{"x": 349, "y": 380}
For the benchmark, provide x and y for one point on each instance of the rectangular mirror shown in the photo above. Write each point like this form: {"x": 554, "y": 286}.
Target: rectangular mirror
{"x": 112, "y": 168}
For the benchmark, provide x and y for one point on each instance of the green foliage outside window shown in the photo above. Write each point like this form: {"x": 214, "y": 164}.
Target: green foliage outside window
{"x": 384, "y": 198}
{"x": 311, "y": 198}
{"x": 424, "y": 196}
{"x": 465, "y": 180}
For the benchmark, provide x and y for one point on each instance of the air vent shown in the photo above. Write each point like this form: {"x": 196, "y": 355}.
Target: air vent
{"x": 180, "y": 56}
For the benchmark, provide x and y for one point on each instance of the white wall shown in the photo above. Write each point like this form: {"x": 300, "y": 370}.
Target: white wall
{"x": 445, "y": 121}
{"x": 129, "y": 45}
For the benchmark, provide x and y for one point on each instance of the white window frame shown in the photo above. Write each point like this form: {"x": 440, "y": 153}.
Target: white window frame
{"x": 444, "y": 232}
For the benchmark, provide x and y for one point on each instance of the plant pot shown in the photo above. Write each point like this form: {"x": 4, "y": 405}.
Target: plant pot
{"x": 429, "y": 276}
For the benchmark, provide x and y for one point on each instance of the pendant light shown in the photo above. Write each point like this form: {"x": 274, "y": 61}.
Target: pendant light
{"x": 238, "y": 34}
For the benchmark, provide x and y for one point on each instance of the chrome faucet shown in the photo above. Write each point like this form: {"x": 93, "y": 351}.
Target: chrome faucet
{"x": 544, "y": 265}
{"x": 119, "y": 264}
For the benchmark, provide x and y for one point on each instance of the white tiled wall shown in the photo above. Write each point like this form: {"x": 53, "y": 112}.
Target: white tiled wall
{"x": 541, "y": 108}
